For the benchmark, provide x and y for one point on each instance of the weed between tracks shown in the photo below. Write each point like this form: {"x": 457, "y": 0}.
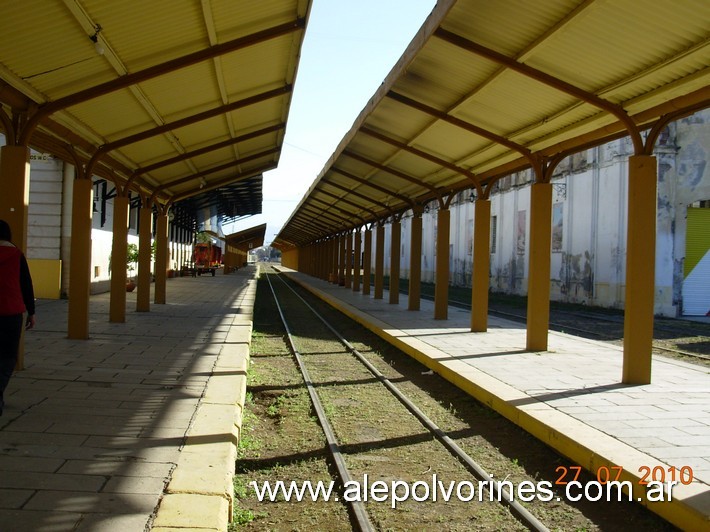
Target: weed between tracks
{"x": 283, "y": 441}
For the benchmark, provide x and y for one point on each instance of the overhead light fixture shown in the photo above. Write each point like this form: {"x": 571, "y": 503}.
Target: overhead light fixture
{"x": 203, "y": 183}
{"x": 95, "y": 39}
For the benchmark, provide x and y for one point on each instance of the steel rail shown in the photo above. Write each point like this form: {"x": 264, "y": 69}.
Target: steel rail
{"x": 358, "y": 508}
{"x": 502, "y": 495}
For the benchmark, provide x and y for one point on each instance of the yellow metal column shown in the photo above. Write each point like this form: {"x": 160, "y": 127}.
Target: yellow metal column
{"x": 357, "y": 253}
{"x": 119, "y": 252}
{"x": 640, "y": 270}
{"x": 349, "y": 260}
{"x": 415, "y": 261}
{"x": 538, "y": 316}
{"x": 80, "y": 259}
{"x": 161, "y": 258}
{"x": 335, "y": 246}
{"x": 15, "y": 186}
{"x": 441, "y": 287}
{"x": 341, "y": 260}
{"x": 14, "y": 202}
{"x": 367, "y": 262}
{"x": 394, "y": 260}
{"x": 323, "y": 259}
{"x": 333, "y": 260}
{"x": 315, "y": 255}
{"x": 144, "y": 251}
{"x": 481, "y": 265}
{"x": 379, "y": 261}
{"x": 319, "y": 259}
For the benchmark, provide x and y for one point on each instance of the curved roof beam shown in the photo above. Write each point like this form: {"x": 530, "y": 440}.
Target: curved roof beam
{"x": 362, "y": 181}
{"x": 350, "y": 215}
{"x": 392, "y": 171}
{"x": 303, "y": 228}
{"x": 201, "y": 151}
{"x": 316, "y": 214}
{"x": 155, "y": 71}
{"x": 143, "y": 135}
{"x": 352, "y": 203}
{"x": 315, "y": 210}
{"x": 445, "y": 117}
{"x": 549, "y": 80}
{"x": 320, "y": 226}
{"x": 192, "y": 177}
{"x": 424, "y": 155}
{"x": 356, "y": 194}
{"x": 214, "y": 184}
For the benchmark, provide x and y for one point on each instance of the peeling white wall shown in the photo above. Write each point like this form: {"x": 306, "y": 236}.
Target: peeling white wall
{"x": 591, "y": 189}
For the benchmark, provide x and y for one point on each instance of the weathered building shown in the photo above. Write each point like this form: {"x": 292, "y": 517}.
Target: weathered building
{"x": 589, "y": 226}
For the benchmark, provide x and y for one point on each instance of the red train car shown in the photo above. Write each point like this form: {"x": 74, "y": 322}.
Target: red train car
{"x": 206, "y": 258}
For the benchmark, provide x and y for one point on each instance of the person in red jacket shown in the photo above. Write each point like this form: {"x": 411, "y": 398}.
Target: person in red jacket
{"x": 16, "y": 297}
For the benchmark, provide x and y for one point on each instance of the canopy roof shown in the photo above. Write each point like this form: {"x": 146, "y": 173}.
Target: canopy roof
{"x": 489, "y": 88}
{"x": 229, "y": 202}
{"x": 247, "y": 239}
{"x": 177, "y": 98}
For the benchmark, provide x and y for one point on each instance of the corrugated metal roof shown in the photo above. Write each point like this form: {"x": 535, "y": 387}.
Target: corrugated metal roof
{"x": 247, "y": 239}
{"x": 486, "y": 87}
{"x": 248, "y": 49}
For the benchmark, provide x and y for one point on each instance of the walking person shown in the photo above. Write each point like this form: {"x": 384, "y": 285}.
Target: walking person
{"x": 16, "y": 297}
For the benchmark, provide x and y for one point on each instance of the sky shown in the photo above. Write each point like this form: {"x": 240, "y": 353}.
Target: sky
{"x": 349, "y": 48}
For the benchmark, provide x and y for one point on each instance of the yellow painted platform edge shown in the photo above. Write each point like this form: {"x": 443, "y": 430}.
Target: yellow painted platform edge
{"x": 677, "y": 512}
{"x": 169, "y": 517}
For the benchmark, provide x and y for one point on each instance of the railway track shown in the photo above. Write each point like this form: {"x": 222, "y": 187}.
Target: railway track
{"x": 376, "y": 435}
{"x": 362, "y": 519}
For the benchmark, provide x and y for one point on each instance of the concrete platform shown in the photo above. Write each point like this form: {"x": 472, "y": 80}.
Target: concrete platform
{"x": 570, "y": 397}
{"x": 136, "y": 427}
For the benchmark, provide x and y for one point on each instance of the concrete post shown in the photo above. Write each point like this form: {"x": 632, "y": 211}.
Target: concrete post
{"x": 357, "y": 252}
{"x": 481, "y": 265}
{"x": 80, "y": 262}
{"x": 349, "y": 260}
{"x": 367, "y": 263}
{"x": 341, "y": 260}
{"x": 119, "y": 253}
{"x": 640, "y": 270}
{"x": 395, "y": 261}
{"x": 415, "y": 262}
{"x": 14, "y": 203}
{"x": 161, "y": 259}
{"x": 441, "y": 286}
{"x": 15, "y": 186}
{"x": 379, "y": 261}
{"x": 145, "y": 232}
{"x": 538, "y": 316}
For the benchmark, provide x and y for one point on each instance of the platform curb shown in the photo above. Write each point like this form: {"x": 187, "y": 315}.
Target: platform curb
{"x": 200, "y": 494}
{"x": 536, "y": 419}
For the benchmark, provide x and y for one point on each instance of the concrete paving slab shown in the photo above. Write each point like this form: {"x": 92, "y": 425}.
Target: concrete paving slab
{"x": 95, "y": 430}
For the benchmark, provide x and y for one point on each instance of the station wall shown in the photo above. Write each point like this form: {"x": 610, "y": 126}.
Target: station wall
{"x": 589, "y": 224}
